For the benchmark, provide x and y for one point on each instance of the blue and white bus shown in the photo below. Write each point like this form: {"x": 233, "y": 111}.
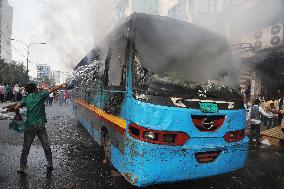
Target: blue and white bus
{"x": 162, "y": 100}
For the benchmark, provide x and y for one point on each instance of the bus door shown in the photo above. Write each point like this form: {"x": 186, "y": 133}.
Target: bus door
{"x": 114, "y": 93}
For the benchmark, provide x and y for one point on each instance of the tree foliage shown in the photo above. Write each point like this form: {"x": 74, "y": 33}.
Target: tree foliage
{"x": 13, "y": 72}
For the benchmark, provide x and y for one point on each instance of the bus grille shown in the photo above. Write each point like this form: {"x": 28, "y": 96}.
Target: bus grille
{"x": 208, "y": 123}
{"x": 206, "y": 157}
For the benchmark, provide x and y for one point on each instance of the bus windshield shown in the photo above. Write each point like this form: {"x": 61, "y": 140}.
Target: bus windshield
{"x": 182, "y": 60}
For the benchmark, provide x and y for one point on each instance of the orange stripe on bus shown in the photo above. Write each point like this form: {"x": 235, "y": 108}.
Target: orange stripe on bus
{"x": 114, "y": 119}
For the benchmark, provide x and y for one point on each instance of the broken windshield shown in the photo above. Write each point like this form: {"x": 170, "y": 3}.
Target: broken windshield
{"x": 174, "y": 58}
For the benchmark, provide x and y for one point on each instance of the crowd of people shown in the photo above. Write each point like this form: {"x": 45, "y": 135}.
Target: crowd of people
{"x": 14, "y": 93}
{"x": 264, "y": 113}
{"x": 11, "y": 93}
{"x": 61, "y": 97}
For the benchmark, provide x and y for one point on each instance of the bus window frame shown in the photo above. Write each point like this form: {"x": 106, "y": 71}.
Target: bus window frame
{"x": 122, "y": 87}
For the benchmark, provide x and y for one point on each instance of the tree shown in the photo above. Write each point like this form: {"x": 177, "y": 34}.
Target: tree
{"x": 13, "y": 72}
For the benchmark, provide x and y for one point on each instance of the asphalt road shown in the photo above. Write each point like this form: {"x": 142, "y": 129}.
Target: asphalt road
{"x": 78, "y": 162}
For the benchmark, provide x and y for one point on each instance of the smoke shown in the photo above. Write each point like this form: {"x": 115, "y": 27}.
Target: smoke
{"x": 168, "y": 46}
{"x": 261, "y": 14}
{"x": 241, "y": 17}
{"x": 74, "y": 27}
{"x": 93, "y": 19}
{"x": 238, "y": 16}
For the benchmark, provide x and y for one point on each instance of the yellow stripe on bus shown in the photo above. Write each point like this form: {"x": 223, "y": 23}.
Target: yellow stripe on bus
{"x": 114, "y": 119}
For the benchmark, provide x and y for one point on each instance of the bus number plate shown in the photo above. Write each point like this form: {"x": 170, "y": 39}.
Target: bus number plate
{"x": 208, "y": 107}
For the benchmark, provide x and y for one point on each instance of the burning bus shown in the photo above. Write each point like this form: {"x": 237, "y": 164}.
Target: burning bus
{"x": 160, "y": 96}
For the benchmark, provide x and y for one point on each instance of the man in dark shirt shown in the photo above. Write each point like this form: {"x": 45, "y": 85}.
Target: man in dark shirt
{"x": 35, "y": 123}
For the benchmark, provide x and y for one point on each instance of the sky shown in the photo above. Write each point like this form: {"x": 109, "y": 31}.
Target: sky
{"x": 66, "y": 26}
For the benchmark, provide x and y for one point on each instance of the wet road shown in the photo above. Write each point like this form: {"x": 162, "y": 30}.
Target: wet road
{"x": 77, "y": 162}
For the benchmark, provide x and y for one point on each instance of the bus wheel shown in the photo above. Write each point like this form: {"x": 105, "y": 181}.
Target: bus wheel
{"x": 107, "y": 149}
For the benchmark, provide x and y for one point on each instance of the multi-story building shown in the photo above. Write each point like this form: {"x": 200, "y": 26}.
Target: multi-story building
{"x": 177, "y": 9}
{"x": 43, "y": 71}
{"x": 6, "y": 19}
{"x": 120, "y": 8}
{"x": 259, "y": 24}
{"x": 124, "y": 8}
{"x": 56, "y": 76}
{"x": 166, "y": 5}
{"x": 201, "y": 12}
{"x": 63, "y": 76}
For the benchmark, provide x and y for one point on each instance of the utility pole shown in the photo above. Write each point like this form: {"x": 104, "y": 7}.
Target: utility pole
{"x": 28, "y": 45}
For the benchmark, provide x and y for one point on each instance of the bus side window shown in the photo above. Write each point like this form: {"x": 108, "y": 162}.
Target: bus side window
{"x": 96, "y": 85}
{"x": 115, "y": 66}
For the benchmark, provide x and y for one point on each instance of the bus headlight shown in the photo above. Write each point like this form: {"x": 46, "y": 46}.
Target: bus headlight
{"x": 149, "y": 135}
{"x": 174, "y": 138}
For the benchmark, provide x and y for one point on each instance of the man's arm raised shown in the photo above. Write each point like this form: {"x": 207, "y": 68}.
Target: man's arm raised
{"x": 55, "y": 88}
{"x": 17, "y": 107}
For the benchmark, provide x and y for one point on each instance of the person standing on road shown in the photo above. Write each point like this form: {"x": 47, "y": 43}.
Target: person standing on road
{"x": 2, "y": 92}
{"x": 5, "y": 93}
{"x": 66, "y": 97}
{"x": 16, "y": 92}
{"x": 50, "y": 100}
{"x": 61, "y": 98}
{"x": 255, "y": 113}
{"x": 9, "y": 91}
{"x": 35, "y": 123}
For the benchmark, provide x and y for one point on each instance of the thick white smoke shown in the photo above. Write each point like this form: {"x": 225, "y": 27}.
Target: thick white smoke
{"x": 74, "y": 27}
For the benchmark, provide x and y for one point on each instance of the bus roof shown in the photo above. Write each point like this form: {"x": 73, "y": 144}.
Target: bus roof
{"x": 160, "y": 32}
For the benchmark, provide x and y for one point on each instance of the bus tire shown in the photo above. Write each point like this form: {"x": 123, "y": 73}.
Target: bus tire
{"x": 107, "y": 148}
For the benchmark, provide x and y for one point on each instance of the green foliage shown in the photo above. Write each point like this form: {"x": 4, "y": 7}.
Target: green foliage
{"x": 13, "y": 72}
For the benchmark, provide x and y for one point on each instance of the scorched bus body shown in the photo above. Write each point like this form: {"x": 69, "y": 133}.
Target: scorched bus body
{"x": 160, "y": 99}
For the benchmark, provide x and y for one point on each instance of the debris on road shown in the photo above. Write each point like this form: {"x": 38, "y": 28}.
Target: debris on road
{"x": 5, "y": 116}
{"x": 275, "y": 136}
{"x": 265, "y": 142}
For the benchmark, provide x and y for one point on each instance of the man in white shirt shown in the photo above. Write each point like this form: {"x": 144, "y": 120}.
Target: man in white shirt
{"x": 16, "y": 92}
{"x": 50, "y": 99}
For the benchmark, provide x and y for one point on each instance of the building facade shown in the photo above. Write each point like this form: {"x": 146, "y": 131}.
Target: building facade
{"x": 43, "y": 71}
{"x": 124, "y": 8}
{"x": 178, "y": 9}
{"x": 56, "y": 76}
{"x": 258, "y": 24}
{"x": 201, "y": 12}
{"x": 6, "y": 19}
{"x": 64, "y": 76}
